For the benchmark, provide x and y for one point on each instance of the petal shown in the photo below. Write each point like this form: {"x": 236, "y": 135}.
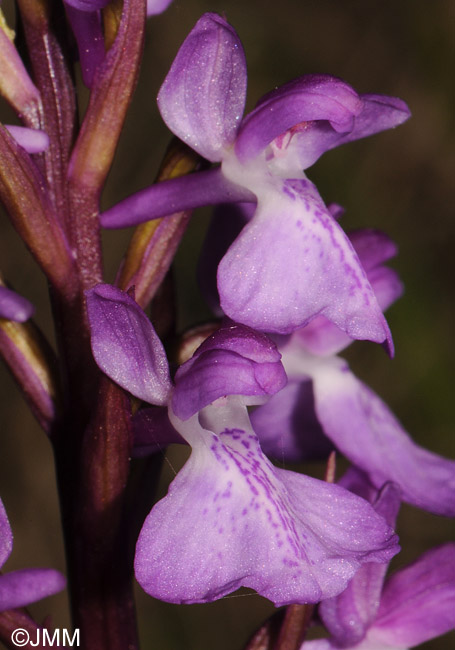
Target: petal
{"x": 203, "y": 96}
{"x": 174, "y": 195}
{"x": 304, "y": 144}
{"x": 155, "y": 7}
{"x": 235, "y": 360}
{"x": 368, "y": 434}
{"x": 6, "y": 536}
{"x": 87, "y": 5}
{"x": 32, "y": 140}
{"x": 259, "y": 286}
{"x": 349, "y": 615}
{"x": 323, "y": 338}
{"x": 289, "y": 537}
{"x": 226, "y": 224}
{"x": 243, "y": 341}
{"x": 287, "y": 427}
{"x": 14, "y": 307}
{"x": 125, "y": 345}
{"x": 309, "y": 98}
{"x": 21, "y": 588}
{"x": 87, "y": 29}
{"x": 418, "y": 602}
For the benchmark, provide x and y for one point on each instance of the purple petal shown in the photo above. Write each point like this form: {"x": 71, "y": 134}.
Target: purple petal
{"x": 243, "y": 341}
{"x": 21, "y": 588}
{"x": 155, "y": 7}
{"x": 297, "y": 103}
{"x": 87, "y": 5}
{"x": 259, "y": 287}
{"x": 349, "y": 615}
{"x": 174, "y": 195}
{"x": 226, "y": 224}
{"x": 368, "y": 434}
{"x": 323, "y": 338}
{"x": 6, "y": 536}
{"x": 231, "y": 519}
{"x": 32, "y": 140}
{"x": 87, "y": 29}
{"x": 304, "y": 144}
{"x": 14, "y": 307}
{"x": 125, "y": 345}
{"x": 203, "y": 96}
{"x": 418, "y": 602}
{"x": 287, "y": 427}
{"x": 233, "y": 361}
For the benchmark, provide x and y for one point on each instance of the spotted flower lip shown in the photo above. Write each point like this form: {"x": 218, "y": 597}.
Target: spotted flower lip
{"x": 262, "y": 160}
{"x": 290, "y": 537}
{"x": 26, "y": 586}
{"x": 343, "y": 411}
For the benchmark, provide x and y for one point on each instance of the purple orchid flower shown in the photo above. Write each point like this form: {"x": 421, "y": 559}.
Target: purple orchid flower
{"x": 324, "y": 397}
{"x": 262, "y": 157}
{"x": 414, "y": 605}
{"x": 230, "y": 518}
{"x": 14, "y": 307}
{"x": 21, "y": 588}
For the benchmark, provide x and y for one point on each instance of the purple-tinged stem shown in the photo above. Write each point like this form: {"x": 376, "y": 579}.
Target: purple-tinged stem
{"x": 112, "y": 89}
{"x": 100, "y": 565}
{"x": 15, "y": 619}
{"x": 43, "y": 22}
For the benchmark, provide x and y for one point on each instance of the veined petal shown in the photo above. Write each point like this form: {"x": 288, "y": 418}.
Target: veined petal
{"x": 125, "y": 345}
{"x": 14, "y": 307}
{"x": 418, "y": 602}
{"x": 349, "y": 615}
{"x": 20, "y": 588}
{"x": 32, "y": 140}
{"x": 234, "y": 360}
{"x": 324, "y": 338}
{"x": 364, "y": 429}
{"x": 293, "y": 262}
{"x": 203, "y": 96}
{"x": 297, "y": 103}
{"x": 6, "y": 536}
{"x": 289, "y": 537}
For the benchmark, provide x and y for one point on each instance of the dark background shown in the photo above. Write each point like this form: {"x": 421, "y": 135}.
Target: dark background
{"x": 401, "y": 181}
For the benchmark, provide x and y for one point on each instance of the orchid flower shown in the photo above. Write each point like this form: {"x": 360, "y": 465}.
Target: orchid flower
{"x": 14, "y": 307}
{"x": 412, "y": 606}
{"x": 230, "y": 518}
{"x": 324, "y": 397}
{"x": 262, "y": 160}
{"x": 23, "y": 587}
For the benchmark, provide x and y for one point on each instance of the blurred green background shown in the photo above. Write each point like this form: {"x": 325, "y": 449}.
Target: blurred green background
{"x": 400, "y": 181}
